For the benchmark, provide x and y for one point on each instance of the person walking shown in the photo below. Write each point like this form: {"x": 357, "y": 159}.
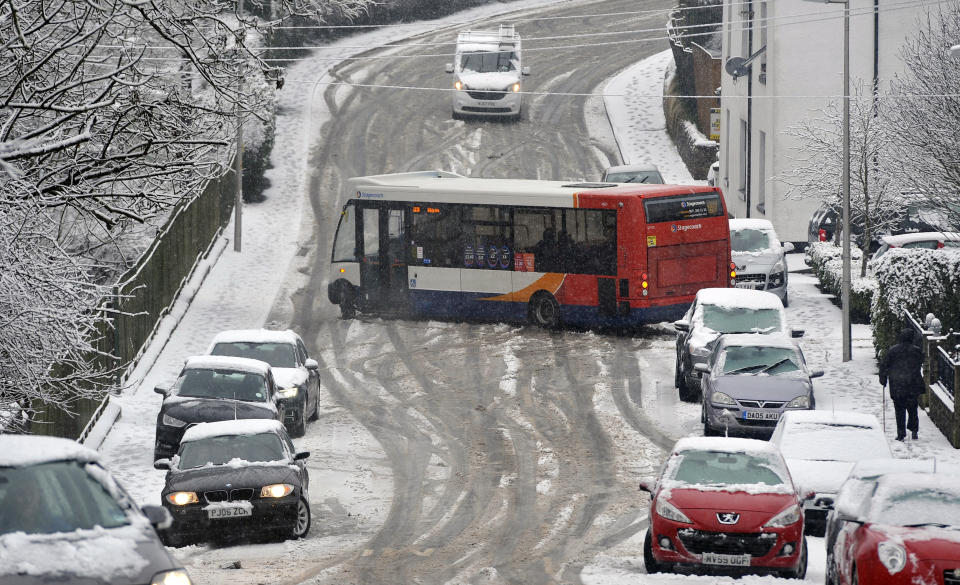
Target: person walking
{"x": 901, "y": 367}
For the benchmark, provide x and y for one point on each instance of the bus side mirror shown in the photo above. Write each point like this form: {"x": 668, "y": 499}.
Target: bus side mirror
{"x": 525, "y": 70}
{"x": 448, "y": 67}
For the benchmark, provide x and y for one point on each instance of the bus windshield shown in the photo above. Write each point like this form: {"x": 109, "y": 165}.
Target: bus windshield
{"x": 345, "y": 244}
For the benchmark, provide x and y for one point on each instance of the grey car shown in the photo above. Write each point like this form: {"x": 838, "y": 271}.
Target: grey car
{"x": 759, "y": 257}
{"x": 716, "y": 311}
{"x": 750, "y": 381}
{"x": 640, "y": 173}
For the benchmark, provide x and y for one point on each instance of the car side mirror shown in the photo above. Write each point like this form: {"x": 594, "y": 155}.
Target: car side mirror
{"x": 816, "y": 373}
{"x": 448, "y": 67}
{"x": 158, "y": 516}
{"x": 702, "y": 368}
{"x": 788, "y": 247}
{"x": 796, "y": 333}
{"x": 809, "y": 496}
{"x": 681, "y": 325}
{"x": 646, "y": 485}
{"x": 525, "y": 70}
{"x": 311, "y": 364}
{"x": 162, "y": 464}
{"x": 161, "y": 389}
{"x": 301, "y": 455}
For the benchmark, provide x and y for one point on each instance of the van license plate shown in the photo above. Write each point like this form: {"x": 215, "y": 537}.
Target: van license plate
{"x": 709, "y": 558}
{"x": 486, "y": 104}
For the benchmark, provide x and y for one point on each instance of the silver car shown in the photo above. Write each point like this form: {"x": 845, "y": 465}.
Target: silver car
{"x": 643, "y": 173}
{"x": 759, "y": 256}
{"x": 716, "y": 311}
{"x": 750, "y": 381}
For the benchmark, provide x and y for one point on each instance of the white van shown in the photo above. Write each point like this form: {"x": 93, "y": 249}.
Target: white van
{"x": 487, "y": 72}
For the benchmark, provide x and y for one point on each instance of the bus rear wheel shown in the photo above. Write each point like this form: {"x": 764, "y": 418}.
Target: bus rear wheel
{"x": 545, "y": 311}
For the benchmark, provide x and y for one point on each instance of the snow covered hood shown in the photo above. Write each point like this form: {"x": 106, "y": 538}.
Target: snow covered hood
{"x": 289, "y": 377}
{"x": 23, "y": 450}
{"x": 219, "y": 362}
{"x": 247, "y": 426}
{"x": 823, "y": 477}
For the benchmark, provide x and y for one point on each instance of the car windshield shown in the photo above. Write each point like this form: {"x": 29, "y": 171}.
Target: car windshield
{"x": 740, "y": 319}
{"x": 750, "y": 240}
{"x": 224, "y": 449}
{"x": 635, "y": 177}
{"x": 55, "y": 497}
{"x": 917, "y": 507}
{"x": 488, "y": 62}
{"x": 199, "y": 383}
{"x": 278, "y": 355}
{"x": 757, "y": 359}
{"x": 722, "y": 468}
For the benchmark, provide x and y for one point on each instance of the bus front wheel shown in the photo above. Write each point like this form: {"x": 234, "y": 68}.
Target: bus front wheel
{"x": 544, "y": 311}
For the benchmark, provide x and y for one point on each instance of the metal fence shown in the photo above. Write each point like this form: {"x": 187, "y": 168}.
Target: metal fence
{"x": 145, "y": 293}
{"x": 941, "y": 375}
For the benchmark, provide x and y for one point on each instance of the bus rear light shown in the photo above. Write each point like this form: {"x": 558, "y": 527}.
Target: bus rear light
{"x": 643, "y": 276}
{"x": 644, "y": 284}
{"x": 645, "y": 292}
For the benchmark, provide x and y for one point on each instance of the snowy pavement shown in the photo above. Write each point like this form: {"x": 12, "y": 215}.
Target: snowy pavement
{"x": 253, "y": 288}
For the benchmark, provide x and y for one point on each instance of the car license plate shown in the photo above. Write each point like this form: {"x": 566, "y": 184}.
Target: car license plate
{"x": 486, "y": 104}
{"x": 760, "y": 415}
{"x": 710, "y": 558}
{"x": 214, "y": 513}
{"x": 750, "y": 285}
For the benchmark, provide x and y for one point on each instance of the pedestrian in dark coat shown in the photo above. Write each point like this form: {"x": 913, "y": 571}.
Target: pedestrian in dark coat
{"x": 901, "y": 367}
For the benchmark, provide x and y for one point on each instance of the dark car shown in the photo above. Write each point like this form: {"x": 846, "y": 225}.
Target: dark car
{"x": 298, "y": 383}
{"x": 64, "y": 519}
{"x": 237, "y": 477}
{"x": 826, "y": 220}
{"x": 214, "y": 388}
{"x": 750, "y": 380}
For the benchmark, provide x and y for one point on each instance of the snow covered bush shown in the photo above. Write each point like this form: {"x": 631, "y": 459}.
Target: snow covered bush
{"x": 826, "y": 259}
{"x": 921, "y": 281}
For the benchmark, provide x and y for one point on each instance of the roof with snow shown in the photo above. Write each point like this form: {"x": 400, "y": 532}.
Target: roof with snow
{"x": 724, "y": 445}
{"x": 256, "y": 336}
{"x": 751, "y": 224}
{"x": 220, "y": 362}
{"x": 231, "y": 428}
{"x": 739, "y": 298}
{"x": 830, "y": 417}
{"x": 23, "y": 450}
{"x": 903, "y": 239}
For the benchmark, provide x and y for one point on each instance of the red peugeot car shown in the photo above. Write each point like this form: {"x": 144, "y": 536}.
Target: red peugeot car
{"x": 725, "y": 505}
{"x": 907, "y": 531}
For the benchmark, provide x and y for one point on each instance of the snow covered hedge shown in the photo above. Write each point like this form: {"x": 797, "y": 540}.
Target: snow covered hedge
{"x": 921, "y": 281}
{"x": 827, "y": 263}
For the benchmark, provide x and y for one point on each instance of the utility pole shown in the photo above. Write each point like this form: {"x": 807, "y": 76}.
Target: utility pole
{"x": 238, "y": 161}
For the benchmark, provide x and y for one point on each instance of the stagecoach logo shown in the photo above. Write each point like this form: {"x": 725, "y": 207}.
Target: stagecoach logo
{"x": 683, "y": 228}
{"x": 728, "y": 517}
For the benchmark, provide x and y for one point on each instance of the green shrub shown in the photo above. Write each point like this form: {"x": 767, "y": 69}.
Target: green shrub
{"x": 826, "y": 259}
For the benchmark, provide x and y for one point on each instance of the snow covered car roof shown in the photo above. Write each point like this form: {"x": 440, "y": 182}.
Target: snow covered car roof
{"x": 635, "y": 168}
{"x": 231, "y": 427}
{"x": 902, "y": 239}
{"x": 23, "y": 450}
{"x": 739, "y": 297}
{"x": 724, "y": 445}
{"x": 256, "y": 336}
{"x": 750, "y": 224}
{"x": 752, "y": 339}
{"x": 867, "y": 468}
{"x": 219, "y": 362}
{"x": 825, "y": 435}
{"x": 834, "y": 417}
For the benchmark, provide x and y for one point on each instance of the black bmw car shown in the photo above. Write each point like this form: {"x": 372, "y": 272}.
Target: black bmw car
{"x": 237, "y": 477}
{"x": 214, "y": 388}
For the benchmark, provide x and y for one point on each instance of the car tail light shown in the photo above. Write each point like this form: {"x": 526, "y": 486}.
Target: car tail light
{"x": 939, "y": 245}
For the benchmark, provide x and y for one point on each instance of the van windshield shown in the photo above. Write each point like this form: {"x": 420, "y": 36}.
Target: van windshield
{"x": 488, "y": 62}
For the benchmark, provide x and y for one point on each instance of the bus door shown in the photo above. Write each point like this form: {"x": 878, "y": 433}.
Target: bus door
{"x": 383, "y": 267}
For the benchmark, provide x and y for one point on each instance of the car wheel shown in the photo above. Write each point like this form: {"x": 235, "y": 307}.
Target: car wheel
{"x": 649, "y": 562}
{"x": 545, "y": 311}
{"x": 786, "y": 299}
{"x": 677, "y": 374}
{"x": 298, "y": 427}
{"x": 348, "y": 302}
{"x": 302, "y": 526}
{"x": 801, "y": 571}
{"x": 831, "y": 576}
{"x": 686, "y": 393}
{"x": 173, "y": 539}
{"x": 316, "y": 409}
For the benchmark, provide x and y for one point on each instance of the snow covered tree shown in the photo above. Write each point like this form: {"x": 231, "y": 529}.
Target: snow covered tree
{"x": 111, "y": 112}
{"x": 926, "y": 119}
{"x": 876, "y": 185}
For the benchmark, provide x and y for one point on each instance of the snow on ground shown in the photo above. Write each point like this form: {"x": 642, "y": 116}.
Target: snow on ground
{"x": 346, "y": 459}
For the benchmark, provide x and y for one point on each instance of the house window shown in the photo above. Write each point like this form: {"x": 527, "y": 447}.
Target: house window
{"x": 726, "y": 150}
{"x": 762, "y": 173}
{"x": 763, "y": 43}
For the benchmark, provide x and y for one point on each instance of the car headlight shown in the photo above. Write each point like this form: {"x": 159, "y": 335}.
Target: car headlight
{"x": 892, "y": 555}
{"x": 182, "y": 498}
{"x": 515, "y": 87}
{"x": 776, "y": 279}
{"x": 800, "y": 402}
{"x": 290, "y": 392}
{"x": 174, "y": 577}
{"x": 786, "y": 517}
{"x": 671, "y": 512}
{"x": 459, "y": 85}
{"x": 173, "y": 422}
{"x": 277, "y": 490}
{"x": 722, "y": 398}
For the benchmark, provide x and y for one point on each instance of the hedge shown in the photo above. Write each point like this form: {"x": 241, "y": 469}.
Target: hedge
{"x": 827, "y": 262}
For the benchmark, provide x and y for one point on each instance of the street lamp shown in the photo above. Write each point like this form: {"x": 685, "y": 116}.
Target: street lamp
{"x": 845, "y": 221}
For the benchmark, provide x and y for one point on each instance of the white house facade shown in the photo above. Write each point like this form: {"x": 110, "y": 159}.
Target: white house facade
{"x": 798, "y": 72}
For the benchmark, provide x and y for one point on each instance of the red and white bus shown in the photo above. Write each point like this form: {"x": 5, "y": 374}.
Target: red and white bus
{"x": 438, "y": 245}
